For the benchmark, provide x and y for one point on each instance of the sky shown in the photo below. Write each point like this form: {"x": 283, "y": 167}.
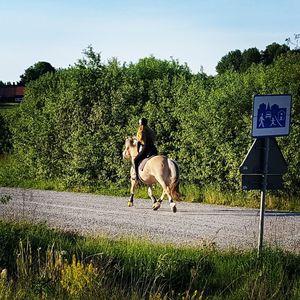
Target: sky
{"x": 196, "y": 32}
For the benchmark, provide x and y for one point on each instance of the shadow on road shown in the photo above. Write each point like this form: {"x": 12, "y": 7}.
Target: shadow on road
{"x": 281, "y": 214}
{"x": 234, "y": 212}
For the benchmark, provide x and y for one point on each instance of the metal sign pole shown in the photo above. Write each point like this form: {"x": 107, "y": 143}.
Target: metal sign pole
{"x": 263, "y": 195}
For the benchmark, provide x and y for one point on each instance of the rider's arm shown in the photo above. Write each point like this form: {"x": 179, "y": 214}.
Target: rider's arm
{"x": 143, "y": 146}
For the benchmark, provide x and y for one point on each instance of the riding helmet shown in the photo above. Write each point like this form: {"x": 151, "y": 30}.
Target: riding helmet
{"x": 143, "y": 121}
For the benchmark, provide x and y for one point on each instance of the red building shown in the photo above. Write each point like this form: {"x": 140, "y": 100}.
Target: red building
{"x": 11, "y": 93}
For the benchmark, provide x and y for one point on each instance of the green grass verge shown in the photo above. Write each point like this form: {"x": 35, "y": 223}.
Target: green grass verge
{"x": 37, "y": 262}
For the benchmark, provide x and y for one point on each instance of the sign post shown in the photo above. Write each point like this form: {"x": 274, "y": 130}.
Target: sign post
{"x": 264, "y": 164}
{"x": 263, "y": 195}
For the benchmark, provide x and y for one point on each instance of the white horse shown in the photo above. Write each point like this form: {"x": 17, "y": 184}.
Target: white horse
{"x": 159, "y": 169}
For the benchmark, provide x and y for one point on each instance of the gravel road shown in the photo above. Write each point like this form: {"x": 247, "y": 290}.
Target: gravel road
{"x": 193, "y": 224}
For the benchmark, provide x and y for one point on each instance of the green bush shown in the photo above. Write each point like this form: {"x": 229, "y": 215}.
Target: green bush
{"x": 5, "y": 135}
{"x": 72, "y": 124}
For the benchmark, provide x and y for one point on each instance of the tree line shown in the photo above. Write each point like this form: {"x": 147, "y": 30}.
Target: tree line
{"x": 241, "y": 61}
{"x": 73, "y": 122}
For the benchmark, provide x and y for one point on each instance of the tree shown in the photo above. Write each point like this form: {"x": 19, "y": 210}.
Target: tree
{"x": 241, "y": 62}
{"x": 249, "y": 57}
{"x": 272, "y": 51}
{"x": 231, "y": 61}
{"x": 91, "y": 59}
{"x": 37, "y": 70}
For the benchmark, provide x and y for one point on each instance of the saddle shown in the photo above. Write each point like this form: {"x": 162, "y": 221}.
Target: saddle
{"x": 143, "y": 162}
{"x": 141, "y": 167}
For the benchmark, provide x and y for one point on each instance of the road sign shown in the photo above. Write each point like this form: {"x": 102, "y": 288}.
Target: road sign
{"x": 255, "y": 182}
{"x": 271, "y": 115}
{"x": 254, "y": 160}
{"x": 264, "y": 164}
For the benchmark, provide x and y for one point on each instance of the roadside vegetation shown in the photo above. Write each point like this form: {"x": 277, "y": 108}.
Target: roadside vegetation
{"x": 69, "y": 132}
{"x": 41, "y": 263}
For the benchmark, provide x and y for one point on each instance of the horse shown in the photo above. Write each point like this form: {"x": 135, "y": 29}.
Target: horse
{"x": 158, "y": 169}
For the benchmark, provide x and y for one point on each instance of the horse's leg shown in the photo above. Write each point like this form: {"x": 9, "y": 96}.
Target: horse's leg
{"x": 155, "y": 204}
{"x": 172, "y": 203}
{"x": 162, "y": 196}
{"x": 150, "y": 193}
{"x": 132, "y": 189}
{"x": 166, "y": 191}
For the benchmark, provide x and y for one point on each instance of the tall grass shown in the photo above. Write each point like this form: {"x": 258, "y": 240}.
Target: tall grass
{"x": 41, "y": 263}
{"x": 212, "y": 195}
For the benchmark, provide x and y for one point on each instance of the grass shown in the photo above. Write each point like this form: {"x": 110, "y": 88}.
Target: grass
{"x": 37, "y": 262}
{"x": 4, "y": 107}
{"x": 8, "y": 104}
{"x": 250, "y": 199}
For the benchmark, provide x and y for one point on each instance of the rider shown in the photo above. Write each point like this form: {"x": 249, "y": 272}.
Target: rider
{"x": 145, "y": 143}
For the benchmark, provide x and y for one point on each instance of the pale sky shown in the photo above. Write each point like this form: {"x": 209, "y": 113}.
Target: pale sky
{"x": 195, "y": 32}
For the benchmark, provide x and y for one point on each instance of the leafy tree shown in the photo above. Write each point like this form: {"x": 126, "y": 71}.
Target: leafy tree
{"x": 34, "y": 72}
{"x": 231, "y": 61}
{"x": 241, "y": 62}
{"x": 91, "y": 59}
{"x": 153, "y": 68}
{"x": 272, "y": 51}
{"x": 249, "y": 57}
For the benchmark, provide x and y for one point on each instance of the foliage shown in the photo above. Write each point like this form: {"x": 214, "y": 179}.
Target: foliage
{"x": 56, "y": 265}
{"x": 273, "y": 51}
{"x": 77, "y": 128}
{"x": 231, "y": 61}
{"x": 77, "y": 278}
{"x": 250, "y": 56}
{"x": 72, "y": 124}
{"x": 5, "y": 135}
{"x": 34, "y": 72}
{"x": 241, "y": 62}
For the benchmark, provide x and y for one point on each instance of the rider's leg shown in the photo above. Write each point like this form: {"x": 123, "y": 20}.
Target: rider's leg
{"x": 137, "y": 161}
{"x": 152, "y": 151}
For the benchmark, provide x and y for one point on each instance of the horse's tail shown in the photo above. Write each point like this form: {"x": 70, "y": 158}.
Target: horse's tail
{"x": 174, "y": 184}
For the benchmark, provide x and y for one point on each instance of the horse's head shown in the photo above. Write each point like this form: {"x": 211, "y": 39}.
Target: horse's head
{"x": 130, "y": 148}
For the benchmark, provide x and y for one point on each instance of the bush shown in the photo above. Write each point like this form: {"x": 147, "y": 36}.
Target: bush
{"x": 73, "y": 123}
{"x": 5, "y": 135}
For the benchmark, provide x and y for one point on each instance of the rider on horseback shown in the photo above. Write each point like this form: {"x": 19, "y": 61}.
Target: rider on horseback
{"x": 145, "y": 143}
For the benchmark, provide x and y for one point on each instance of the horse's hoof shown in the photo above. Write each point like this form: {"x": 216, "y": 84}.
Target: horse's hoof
{"x": 156, "y": 206}
{"x": 173, "y": 207}
{"x": 130, "y": 204}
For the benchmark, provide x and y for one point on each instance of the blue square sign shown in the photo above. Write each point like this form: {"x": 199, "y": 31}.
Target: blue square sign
{"x": 271, "y": 115}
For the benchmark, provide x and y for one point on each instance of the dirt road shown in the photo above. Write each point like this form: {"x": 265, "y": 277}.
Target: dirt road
{"x": 193, "y": 224}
